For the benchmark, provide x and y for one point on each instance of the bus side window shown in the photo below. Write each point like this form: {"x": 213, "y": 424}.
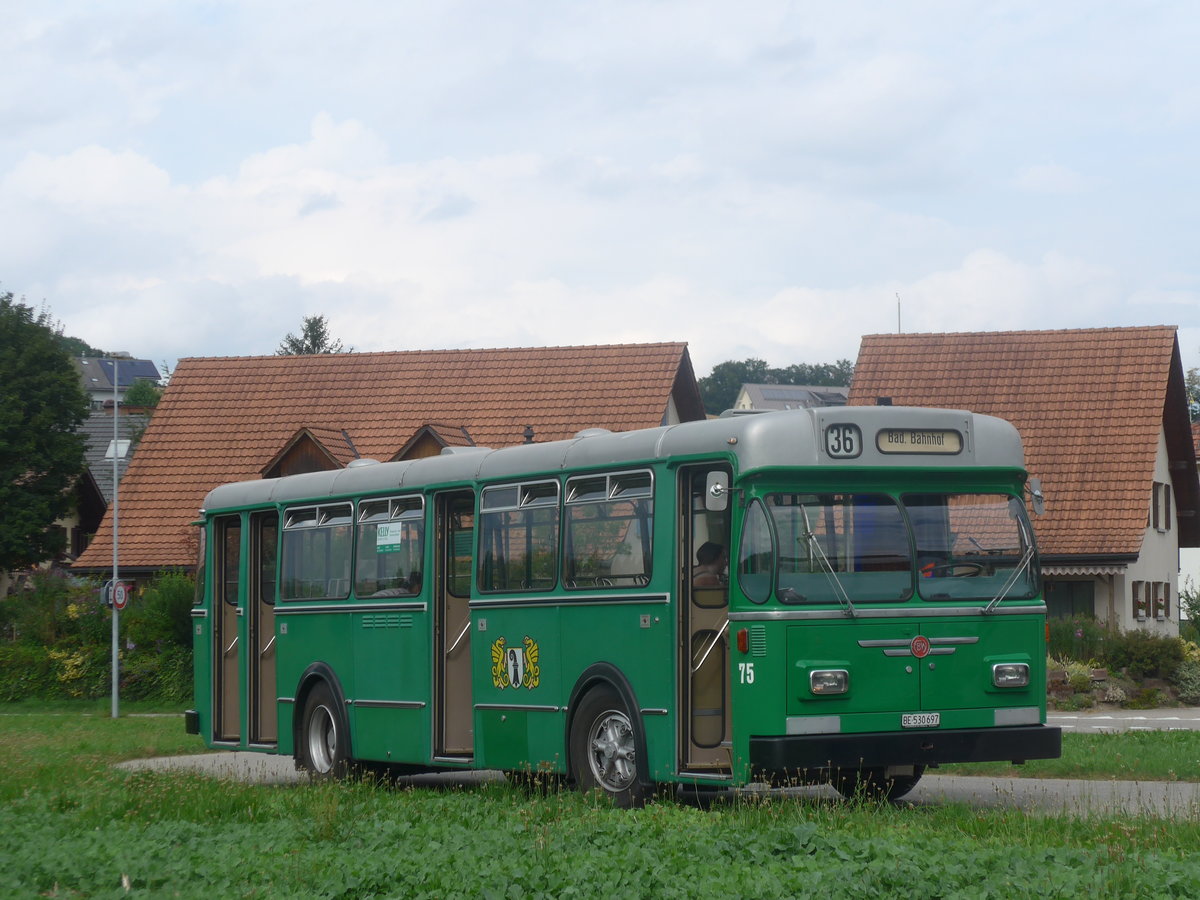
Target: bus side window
{"x": 756, "y": 557}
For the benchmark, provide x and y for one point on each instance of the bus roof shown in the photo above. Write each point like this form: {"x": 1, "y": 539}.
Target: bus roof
{"x": 854, "y": 436}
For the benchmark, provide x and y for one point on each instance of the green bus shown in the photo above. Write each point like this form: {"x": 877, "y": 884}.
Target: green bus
{"x": 846, "y": 594}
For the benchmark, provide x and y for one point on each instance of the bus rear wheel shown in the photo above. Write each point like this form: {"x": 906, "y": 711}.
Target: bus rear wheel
{"x": 605, "y": 749}
{"x": 322, "y": 749}
{"x": 872, "y": 784}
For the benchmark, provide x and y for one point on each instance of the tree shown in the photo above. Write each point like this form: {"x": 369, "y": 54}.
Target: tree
{"x": 143, "y": 392}
{"x": 720, "y": 388}
{"x": 313, "y": 338}
{"x": 1192, "y": 383}
{"x": 42, "y": 405}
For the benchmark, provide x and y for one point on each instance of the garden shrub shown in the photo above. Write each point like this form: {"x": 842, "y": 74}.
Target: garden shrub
{"x": 58, "y": 641}
{"x": 160, "y": 617}
{"x": 1144, "y": 655}
{"x": 1187, "y": 682}
{"x": 1146, "y": 698}
{"x": 165, "y": 676}
{"x": 1081, "y": 637}
{"x": 1080, "y": 683}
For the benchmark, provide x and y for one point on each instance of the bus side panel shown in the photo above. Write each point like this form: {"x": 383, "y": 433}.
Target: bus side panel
{"x": 202, "y": 649}
{"x": 202, "y": 672}
{"x": 391, "y": 710}
{"x": 517, "y": 687}
{"x": 303, "y": 640}
{"x": 637, "y": 639}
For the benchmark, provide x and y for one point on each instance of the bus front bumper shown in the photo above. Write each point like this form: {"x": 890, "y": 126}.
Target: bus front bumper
{"x": 783, "y": 754}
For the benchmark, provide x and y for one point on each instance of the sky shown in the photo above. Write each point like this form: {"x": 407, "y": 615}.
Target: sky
{"x": 761, "y": 179}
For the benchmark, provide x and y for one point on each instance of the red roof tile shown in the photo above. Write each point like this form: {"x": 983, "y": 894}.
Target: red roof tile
{"x": 1089, "y": 403}
{"x": 223, "y": 419}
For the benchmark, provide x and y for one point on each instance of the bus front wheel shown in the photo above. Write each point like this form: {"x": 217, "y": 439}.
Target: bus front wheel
{"x": 322, "y": 748}
{"x": 872, "y": 784}
{"x": 605, "y": 749}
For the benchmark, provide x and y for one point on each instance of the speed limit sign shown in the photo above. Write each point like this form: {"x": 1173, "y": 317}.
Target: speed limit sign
{"x": 120, "y": 594}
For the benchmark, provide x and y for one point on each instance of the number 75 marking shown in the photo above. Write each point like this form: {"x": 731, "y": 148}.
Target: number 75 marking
{"x": 746, "y": 671}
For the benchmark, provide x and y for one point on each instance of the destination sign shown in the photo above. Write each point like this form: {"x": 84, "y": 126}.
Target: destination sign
{"x": 918, "y": 440}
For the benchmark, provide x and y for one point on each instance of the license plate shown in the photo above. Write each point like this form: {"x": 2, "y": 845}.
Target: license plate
{"x": 920, "y": 720}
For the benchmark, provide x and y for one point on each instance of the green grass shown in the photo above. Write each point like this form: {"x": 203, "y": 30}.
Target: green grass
{"x": 71, "y": 825}
{"x": 1125, "y": 756}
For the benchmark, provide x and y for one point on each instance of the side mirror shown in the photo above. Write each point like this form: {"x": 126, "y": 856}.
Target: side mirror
{"x": 716, "y": 492}
{"x": 1035, "y": 493}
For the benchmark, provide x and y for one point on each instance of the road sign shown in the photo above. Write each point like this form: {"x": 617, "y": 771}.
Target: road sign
{"x": 120, "y": 594}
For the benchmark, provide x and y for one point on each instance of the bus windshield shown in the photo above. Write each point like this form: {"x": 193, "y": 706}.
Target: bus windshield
{"x": 867, "y": 548}
{"x": 835, "y": 548}
{"x": 972, "y": 546}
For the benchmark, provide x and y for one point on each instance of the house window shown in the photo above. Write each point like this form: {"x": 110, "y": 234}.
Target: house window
{"x": 1141, "y": 600}
{"x": 1162, "y": 600}
{"x": 1160, "y": 507}
{"x": 1069, "y": 599}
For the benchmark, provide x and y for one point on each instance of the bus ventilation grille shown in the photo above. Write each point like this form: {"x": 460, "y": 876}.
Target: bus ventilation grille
{"x": 758, "y": 640}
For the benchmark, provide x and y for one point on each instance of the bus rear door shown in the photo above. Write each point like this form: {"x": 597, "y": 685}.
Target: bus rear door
{"x": 454, "y": 738}
{"x": 244, "y": 681}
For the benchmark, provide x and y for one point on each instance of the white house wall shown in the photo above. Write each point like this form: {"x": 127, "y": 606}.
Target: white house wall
{"x": 1157, "y": 563}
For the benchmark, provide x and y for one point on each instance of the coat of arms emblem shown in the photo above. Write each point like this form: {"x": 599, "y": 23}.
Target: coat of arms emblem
{"x": 516, "y": 667}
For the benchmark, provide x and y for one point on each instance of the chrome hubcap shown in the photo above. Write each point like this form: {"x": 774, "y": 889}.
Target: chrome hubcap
{"x": 322, "y": 739}
{"x": 612, "y": 756}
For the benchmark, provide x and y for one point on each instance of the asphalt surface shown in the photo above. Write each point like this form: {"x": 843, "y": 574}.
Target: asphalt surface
{"x": 1050, "y": 796}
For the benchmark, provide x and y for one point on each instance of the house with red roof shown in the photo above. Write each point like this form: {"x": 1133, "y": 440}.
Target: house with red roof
{"x": 237, "y": 418}
{"x": 1104, "y": 419}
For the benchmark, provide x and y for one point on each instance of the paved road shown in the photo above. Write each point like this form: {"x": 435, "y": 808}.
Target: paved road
{"x": 1185, "y": 718}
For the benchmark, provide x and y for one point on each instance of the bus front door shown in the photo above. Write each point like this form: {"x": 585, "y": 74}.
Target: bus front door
{"x": 703, "y": 628}
{"x": 226, "y": 619}
{"x": 260, "y": 676}
{"x": 453, "y": 714}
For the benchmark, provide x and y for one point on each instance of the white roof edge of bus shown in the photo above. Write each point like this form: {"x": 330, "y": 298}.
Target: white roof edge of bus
{"x": 784, "y": 437}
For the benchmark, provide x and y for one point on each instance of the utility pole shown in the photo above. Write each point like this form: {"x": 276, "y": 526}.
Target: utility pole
{"x": 116, "y": 613}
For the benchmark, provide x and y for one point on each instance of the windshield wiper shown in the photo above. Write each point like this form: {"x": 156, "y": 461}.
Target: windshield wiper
{"x": 1012, "y": 580}
{"x": 830, "y": 575}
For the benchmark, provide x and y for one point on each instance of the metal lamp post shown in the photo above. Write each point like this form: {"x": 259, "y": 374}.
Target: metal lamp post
{"x": 116, "y": 613}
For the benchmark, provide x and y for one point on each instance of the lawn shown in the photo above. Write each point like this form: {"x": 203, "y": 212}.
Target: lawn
{"x": 71, "y": 825}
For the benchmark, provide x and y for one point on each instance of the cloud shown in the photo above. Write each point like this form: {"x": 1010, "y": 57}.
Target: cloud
{"x": 1052, "y": 179}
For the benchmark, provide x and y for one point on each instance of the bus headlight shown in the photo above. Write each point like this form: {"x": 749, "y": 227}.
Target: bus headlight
{"x": 1010, "y": 675}
{"x": 824, "y": 682}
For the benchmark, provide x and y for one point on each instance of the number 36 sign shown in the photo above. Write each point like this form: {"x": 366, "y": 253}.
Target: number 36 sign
{"x": 843, "y": 441}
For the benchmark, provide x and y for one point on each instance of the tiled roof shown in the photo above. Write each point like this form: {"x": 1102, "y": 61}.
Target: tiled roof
{"x": 224, "y": 419}
{"x": 98, "y": 429}
{"x": 1089, "y": 403}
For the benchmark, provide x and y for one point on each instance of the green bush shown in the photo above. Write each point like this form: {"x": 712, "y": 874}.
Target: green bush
{"x": 1144, "y": 655}
{"x": 1187, "y": 682}
{"x": 165, "y": 676}
{"x": 55, "y": 610}
{"x": 54, "y": 673}
{"x": 1189, "y": 631}
{"x": 59, "y": 641}
{"x": 1080, "y": 683}
{"x": 1081, "y": 638}
{"x": 159, "y": 617}
{"x": 1146, "y": 698}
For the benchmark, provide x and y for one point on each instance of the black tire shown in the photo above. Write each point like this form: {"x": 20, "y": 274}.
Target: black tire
{"x": 323, "y": 745}
{"x": 606, "y": 749}
{"x": 871, "y": 785}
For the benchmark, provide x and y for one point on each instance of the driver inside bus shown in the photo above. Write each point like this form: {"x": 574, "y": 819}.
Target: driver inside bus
{"x": 712, "y": 561}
